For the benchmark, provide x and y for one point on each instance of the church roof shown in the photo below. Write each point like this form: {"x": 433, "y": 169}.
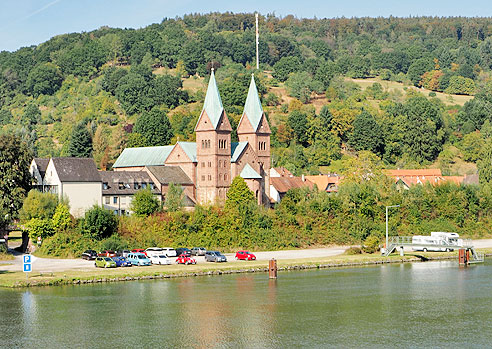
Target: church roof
{"x": 143, "y": 156}
{"x": 213, "y": 103}
{"x": 236, "y": 150}
{"x": 190, "y": 149}
{"x": 252, "y": 108}
{"x": 249, "y": 173}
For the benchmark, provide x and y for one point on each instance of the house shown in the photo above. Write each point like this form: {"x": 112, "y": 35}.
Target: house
{"x": 407, "y": 178}
{"x": 214, "y": 160}
{"x": 279, "y": 186}
{"x": 328, "y": 183}
{"x": 74, "y": 179}
{"x": 280, "y": 172}
{"x": 119, "y": 187}
{"x": 162, "y": 176}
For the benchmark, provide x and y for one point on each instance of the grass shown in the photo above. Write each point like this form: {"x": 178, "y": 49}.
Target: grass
{"x": 397, "y": 86}
{"x": 18, "y": 279}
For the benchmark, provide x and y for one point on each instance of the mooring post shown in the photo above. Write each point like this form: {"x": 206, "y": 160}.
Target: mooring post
{"x": 272, "y": 268}
{"x": 462, "y": 256}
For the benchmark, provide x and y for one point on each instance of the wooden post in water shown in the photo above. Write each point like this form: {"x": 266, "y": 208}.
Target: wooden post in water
{"x": 463, "y": 256}
{"x": 272, "y": 268}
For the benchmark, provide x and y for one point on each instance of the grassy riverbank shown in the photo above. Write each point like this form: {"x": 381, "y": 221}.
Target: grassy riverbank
{"x": 93, "y": 275}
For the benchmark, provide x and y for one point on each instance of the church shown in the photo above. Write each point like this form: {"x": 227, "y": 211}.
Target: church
{"x": 213, "y": 161}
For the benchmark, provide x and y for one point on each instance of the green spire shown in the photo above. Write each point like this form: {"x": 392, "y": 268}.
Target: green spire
{"x": 252, "y": 107}
{"x": 213, "y": 103}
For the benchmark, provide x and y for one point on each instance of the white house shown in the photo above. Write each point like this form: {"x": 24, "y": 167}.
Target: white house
{"x": 75, "y": 179}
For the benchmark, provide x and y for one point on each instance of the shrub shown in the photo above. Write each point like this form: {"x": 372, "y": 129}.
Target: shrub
{"x": 371, "y": 244}
{"x": 39, "y": 227}
{"x": 98, "y": 223}
{"x": 353, "y": 251}
{"x": 432, "y": 94}
{"x": 66, "y": 245}
{"x": 62, "y": 220}
{"x": 113, "y": 243}
{"x": 144, "y": 203}
{"x": 38, "y": 205}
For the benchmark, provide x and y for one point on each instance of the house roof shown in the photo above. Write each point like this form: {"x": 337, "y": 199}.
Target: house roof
{"x": 249, "y": 173}
{"x": 252, "y": 108}
{"x": 169, "y": 174}
{"x": 283, "y": 184}
{"x": 413, "y": 173}
{"x": 283, "y": 172}
{"x": 454, "y": 179}
{"x": 190, "y": 149}
{"x": 128, "y": 178}
{"x": 42, "y": 165}
{"x": 323, "y": 181}
{"x": 237, "y": 149}
{"x": 213, "y": 103}
{"x": 143, "y": 156}
{"x": 76, "y": 170}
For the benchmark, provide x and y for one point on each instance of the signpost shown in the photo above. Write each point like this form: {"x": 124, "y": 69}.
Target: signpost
{"x": 27, "y": 264}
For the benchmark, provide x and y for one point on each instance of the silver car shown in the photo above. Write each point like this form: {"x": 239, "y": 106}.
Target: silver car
{"x": 214, "y": 256}
{"x": 198, "y": 251}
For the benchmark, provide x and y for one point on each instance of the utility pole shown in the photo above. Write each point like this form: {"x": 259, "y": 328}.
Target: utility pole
{"x": 386, "y": 247}
{"x": 257, "y": 41}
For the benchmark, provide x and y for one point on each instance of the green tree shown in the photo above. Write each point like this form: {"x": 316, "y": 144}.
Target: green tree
{"x": 366, "y": 134}
{"x": 38, "y": 205}
{"x": 45, "y": 78}
{"x": 31, "y": 116}
{"x": 239, "y": 194}
{"x": 39, "y": 227}
{"x": 154, "y": 127}
{"x": 144, "y": 203}
{"x": 484, "y": 164}
{"x": 472, "y": 145}
{"x": 61, "y": 220}
{"x": 132, "y": 92}
{"x": 15, "y": 179}
{"x": 285, "y": 66}
{"x": 98, "y": 223}
{"x": 418, "y": 68}
{"x": 80, "y": 145}
{"x": 298, "y": 122}
{"x": 174, "y": 198}
{"x": 460, "y": 86}
{"x": 301, "y": 85}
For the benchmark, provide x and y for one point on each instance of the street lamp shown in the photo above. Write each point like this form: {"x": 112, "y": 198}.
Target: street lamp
{"x": 387, "y": 223}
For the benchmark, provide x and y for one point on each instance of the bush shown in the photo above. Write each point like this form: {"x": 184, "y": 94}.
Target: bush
{"x": 113, "y": 243}
{"x": 371, "y": 244}
{"x": 432, "y": 94}
{"x": 98, "y": 223}
{"x": 66, "y": 245}
{"x": 39, "y": 227}
{"x": 144, "y": 203}
{"x": 353, "y": 251}
{"x": 38, "y": 205}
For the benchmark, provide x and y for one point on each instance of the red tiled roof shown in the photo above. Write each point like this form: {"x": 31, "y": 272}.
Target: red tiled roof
{"x": 323, "y": 181}
{"x": 414, "y": 173}
{"x": 283, "y": 184}
{"x": 283, "y": 172}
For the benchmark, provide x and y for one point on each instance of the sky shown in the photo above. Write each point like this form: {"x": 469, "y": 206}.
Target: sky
{"x": 31, "y": 22}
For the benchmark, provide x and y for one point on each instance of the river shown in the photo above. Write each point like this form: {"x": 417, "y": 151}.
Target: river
{"x": 432, "y": 304}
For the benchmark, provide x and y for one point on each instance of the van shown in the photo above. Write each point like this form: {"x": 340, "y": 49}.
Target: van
{"x": 427, "y": 242}
{"x": 169, "y": 251}
{"x": 138, "y": 259}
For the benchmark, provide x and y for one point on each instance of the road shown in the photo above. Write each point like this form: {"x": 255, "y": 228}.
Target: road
{"x": 46, "y": 265}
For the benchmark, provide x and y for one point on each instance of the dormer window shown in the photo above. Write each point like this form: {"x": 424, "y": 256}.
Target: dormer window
{"x": 105, "y": 186}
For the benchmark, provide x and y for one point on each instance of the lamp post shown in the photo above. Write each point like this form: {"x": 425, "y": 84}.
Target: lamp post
{"x": 387, "y": 223}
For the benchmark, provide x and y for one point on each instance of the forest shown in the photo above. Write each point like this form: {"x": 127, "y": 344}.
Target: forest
{"x": 342, "y": 95}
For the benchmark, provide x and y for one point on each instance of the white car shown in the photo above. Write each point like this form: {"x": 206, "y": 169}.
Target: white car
{"x": 169, "y": 251}
{"x": 160, "y": 259}
{"x": 154, "y": 251}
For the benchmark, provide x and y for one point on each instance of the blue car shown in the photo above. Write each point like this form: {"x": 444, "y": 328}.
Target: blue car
{"x": 138, "y": 258}
{"x": 122, "y": 262}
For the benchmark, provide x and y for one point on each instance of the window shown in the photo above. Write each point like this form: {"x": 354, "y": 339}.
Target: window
{"x": 209, "y": 164}
{"x": 107, "y": 200}
{"x": 225, "y": 177}
{"x": 220, "y": 176}
{"x": 220, "y": 162}
{"x": 203, "y": 178}
{"x": 136, "y": 186}
{"x": 105, "y": 185}
{"x": 203, "y": 164}
{"x": 144, "y": 185}
{"x": 209, "y": 177}
{"x": 115, "y": 212}
{"x": 151, "y": 185}
{"x": 203, "y": 143}
{"x": 115, "y": 199}
{"x": 121, "y": 185}
{"x": 208, "y": 143}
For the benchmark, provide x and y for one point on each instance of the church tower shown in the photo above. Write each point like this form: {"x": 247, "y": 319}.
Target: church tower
{"x": 213, "y": 148}
{"x": 254, "y": 129}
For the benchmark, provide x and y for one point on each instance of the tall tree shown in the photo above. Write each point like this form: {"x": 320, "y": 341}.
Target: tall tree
{"x": 155, "y": 128}
{"x": 15, "y": 179}
{"x": 80, "y": 145}
{"x": 366, "y": 134}
{"x": 239, "y": 194}
{"x": 174, "y": 198}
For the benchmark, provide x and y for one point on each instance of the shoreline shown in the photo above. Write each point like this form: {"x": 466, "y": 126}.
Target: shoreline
{"x": 95, "y": 276}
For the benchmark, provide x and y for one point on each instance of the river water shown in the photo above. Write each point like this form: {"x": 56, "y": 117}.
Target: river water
{"x": 419, "y": 305}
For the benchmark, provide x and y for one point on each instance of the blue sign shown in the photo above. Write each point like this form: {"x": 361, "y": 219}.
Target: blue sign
{"x": 27, "y": 266}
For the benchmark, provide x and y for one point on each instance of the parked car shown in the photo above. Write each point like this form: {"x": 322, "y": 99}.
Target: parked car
{"x": 154, "y": 251}
{"x": 215, "y": 256}
{"x": 138, "y": 250}
{"x": 169, "y": 251}
{"x": 183, "y": 250}
{"x": 106, "y": 253}
{"x": 138, "y": 259}
{"x": 198, "y": 251}
{"x": 104, "y": 262}
{"x": 160, "y": 259}
{"x": 245, "y": 255}
{"x": 89, "y": 255}
{"x": 122, "y": 262}
{"x": 122, "y": 253}
{"x": 184, "y": 259}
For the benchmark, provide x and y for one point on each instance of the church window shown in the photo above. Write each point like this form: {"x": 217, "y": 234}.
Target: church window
{"x": 208, "y": 143}
{"x": 209, "y": 177}
{"x": 203, "y": 164}
{"x": 203, "y": 178}
{"x": 220, "y": 176}
{"x": 203, "y": 143}
{"x": 209, "y": 164}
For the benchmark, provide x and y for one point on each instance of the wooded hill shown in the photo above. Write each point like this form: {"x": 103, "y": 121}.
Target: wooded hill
{"x": 84, "y": 94}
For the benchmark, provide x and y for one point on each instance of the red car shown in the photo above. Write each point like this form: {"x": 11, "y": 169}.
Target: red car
{"x": 245, "y": 256}
{"x": 183, "y": 259}
{"x": 139, "y": 250}
{"x": 107, "y": 253}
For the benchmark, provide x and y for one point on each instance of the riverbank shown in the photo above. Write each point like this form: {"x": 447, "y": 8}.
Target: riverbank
{"x": 16, "y": 279}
